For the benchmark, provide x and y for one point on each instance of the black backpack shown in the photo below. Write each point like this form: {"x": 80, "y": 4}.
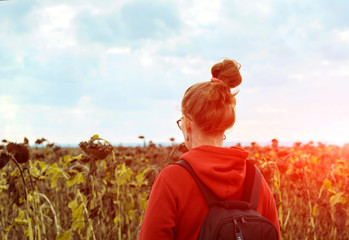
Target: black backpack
{"x": 238, "y": 220}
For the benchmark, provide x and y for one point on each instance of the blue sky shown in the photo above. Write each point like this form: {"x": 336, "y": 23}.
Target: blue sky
{"x": 72, "y": 69}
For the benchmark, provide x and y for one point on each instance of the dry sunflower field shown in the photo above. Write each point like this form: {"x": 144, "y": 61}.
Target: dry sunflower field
{"x": 100, "y": 191}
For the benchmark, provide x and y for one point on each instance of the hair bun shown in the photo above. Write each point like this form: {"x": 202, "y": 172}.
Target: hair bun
{"x": 227, "y": 71}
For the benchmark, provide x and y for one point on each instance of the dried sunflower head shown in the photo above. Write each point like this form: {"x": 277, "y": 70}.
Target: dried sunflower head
{"x": 182, "y": 148}
{"x": 97, "y": 150}
{"x": 40, "y": 141}
{"x": 19, "y": 151}
{"x": 4, "y": 158}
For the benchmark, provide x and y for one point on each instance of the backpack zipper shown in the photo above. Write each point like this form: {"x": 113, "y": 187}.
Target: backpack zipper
{"x": 251, "y": 219}
{"x": 243, "y": 220}
{"x": 237, "y": 229}
{"x": 238, "y": 233}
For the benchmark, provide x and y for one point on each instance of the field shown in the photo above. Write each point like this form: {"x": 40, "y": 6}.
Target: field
{"x": 99, "y": 191}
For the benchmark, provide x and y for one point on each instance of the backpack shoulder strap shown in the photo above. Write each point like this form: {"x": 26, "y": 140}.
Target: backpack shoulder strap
{"x": 251, "y": 187}
{"x": 252, "y": 184}
{"x": 210, "y": 196}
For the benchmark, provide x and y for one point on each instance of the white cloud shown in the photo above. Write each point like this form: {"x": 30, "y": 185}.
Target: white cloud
{"x": 255, "y": 8}
{"x": 342, "y": 35}
{"x": 203, "y": 12}
{"x": 303, "y": 29}
{"x": 70, "y": 125}
{"x": 146, "y": 60}
{"x": 54, "y": 28}
{"x": 61, "y": 86}
{"x": 251, "y": 90}
{"x": 116, "y": 50}
{"x": 7, "y": 108}
{"x": 270, "y": 109}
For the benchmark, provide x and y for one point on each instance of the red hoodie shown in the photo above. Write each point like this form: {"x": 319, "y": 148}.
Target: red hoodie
{"x": 176, "y": 206}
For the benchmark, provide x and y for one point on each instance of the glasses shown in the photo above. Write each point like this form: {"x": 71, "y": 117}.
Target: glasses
{"x": 179, "y": 123}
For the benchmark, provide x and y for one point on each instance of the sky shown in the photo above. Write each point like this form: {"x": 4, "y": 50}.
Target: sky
{"x": 72, "y": 69}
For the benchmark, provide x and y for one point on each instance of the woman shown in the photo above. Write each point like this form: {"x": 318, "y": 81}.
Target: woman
{"x": 176, "y": 205}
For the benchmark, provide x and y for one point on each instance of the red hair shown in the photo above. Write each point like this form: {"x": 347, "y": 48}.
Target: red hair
{"x": 211, "y": 104}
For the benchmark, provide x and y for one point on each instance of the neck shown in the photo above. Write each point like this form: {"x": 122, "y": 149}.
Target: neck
{"x": 200, "y": 139}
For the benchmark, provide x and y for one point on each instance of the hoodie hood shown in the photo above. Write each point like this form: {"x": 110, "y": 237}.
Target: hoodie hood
{"x": 223, "y": 170}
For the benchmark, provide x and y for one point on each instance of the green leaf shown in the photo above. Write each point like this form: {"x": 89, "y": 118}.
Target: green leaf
{"x": 77, "y": 212}
{"x": 55, "y": 175}
{"x": 142, "y": 200}
{"x": 79, "y": 178}
{"x": 78, "y": 157}
{"x": 67, "y": 235}
{"x": 67, "y": 158}
{"x": 73, "y": 204}
{"x": 78, "y": 218}
{"x": 78, "y": 225}
{"x": 15, "y": 172}
{"x": 42, "y": 165}
{"x": 116, "y": 220}
{"x": 140, "y": 177}
{"x": 95, "y": 137}
{"x": 131, "y": 214}
{"x": 315, "y": 211}
{"x": 337, "y": 198}
{"x": 21, "y": 221}
{"x": 123, "y": 175}
{"x": 55, "y": 171}
{"x": 8, "y": 228}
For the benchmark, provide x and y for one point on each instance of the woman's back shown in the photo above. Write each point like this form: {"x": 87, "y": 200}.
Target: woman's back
{"x": 176, "y": 205}
{"x": 179, "y": 206}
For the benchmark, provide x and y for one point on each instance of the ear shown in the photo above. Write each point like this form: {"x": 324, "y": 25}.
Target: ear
{"x": 188, "y": 124}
